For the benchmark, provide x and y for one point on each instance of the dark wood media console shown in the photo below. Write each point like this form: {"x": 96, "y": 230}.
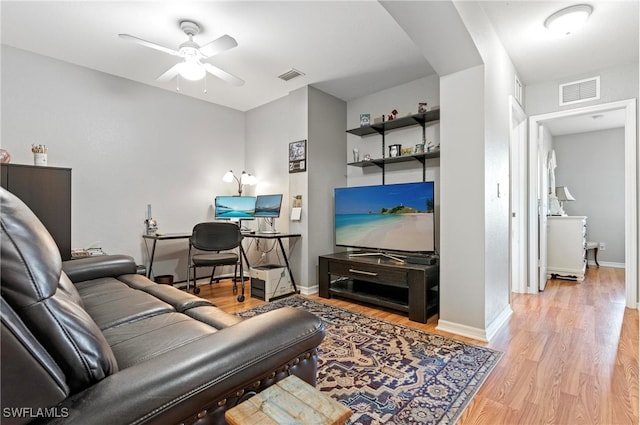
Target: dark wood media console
{"x": 410, "y": 288}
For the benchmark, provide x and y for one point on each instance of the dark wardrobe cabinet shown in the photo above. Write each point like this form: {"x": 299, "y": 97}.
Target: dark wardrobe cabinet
{"x": 47, "y": 191}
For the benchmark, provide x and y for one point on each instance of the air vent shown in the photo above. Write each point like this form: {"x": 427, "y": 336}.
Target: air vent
{"x": 580, "y": 91}
{"x": 291, "y": 74}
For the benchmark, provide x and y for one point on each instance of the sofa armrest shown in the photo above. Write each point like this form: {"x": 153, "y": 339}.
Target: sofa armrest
{"x": 198, "y": 381}
{"x": 100, "y": 266}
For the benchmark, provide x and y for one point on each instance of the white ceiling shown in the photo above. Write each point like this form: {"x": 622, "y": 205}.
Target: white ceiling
{"x": 610, "y": 37}
{"x": 346, "y": 48}
{"x": 585, "y": 123}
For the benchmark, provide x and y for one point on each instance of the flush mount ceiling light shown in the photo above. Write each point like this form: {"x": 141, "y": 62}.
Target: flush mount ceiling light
{"x": 567, "y": 20}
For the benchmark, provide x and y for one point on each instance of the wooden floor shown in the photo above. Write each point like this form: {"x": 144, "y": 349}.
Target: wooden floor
{"x": 570, "y": 353}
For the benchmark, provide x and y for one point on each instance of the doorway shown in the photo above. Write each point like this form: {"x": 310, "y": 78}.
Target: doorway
{"x": 537, "y": 192}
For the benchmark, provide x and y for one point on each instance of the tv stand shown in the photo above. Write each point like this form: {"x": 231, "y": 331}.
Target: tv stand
{"x": 409, "y": 288}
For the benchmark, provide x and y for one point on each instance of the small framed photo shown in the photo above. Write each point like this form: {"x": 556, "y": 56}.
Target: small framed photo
{"x": 298, "y": 156}
{"x": 365, "y": 120}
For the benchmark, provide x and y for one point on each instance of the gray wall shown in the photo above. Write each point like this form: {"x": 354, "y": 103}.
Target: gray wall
{"x": 591, "y": 165}
{"x": 305, "y": 114}
{"x": 326, "y": 170}
{"x": 128, "y": 144}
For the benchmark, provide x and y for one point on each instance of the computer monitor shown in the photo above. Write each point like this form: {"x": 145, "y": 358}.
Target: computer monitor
{"x": 268, "y": 206}
{"x": 235, "y": 207}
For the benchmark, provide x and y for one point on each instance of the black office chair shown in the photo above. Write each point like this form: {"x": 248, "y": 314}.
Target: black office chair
{"x": 213, "y": 238}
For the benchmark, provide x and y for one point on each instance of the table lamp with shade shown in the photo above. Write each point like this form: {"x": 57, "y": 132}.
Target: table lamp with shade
{"x": 556, "y": 203}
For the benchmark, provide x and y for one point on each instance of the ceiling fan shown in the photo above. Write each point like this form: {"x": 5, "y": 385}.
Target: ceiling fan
{"x": 192, "y": 68}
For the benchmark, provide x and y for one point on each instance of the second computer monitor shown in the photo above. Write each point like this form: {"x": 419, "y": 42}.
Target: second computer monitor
{"x": 268, "y": 206}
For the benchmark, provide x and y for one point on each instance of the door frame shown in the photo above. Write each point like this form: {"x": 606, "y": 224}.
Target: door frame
{"x": 630, "y": 191}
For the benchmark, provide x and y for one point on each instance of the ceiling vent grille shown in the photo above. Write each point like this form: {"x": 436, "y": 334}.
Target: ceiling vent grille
{"x": 291, "y": 74}
{"x": 580, "y": 91}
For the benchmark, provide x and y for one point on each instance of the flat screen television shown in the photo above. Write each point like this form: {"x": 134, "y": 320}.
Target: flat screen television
{"x": 268, "y": 206}
{"x": 393, "y": 217}
{"x": 235, "y": 207}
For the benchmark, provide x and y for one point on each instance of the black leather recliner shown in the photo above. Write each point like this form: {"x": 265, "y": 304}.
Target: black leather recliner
{"x": 91, "y": 342}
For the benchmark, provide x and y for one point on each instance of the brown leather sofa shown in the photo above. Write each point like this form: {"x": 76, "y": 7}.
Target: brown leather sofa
{"x": 91, "y": 342}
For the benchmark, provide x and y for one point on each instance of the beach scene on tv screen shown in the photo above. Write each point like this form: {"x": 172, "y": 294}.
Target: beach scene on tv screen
{"x": 393, "y": 217}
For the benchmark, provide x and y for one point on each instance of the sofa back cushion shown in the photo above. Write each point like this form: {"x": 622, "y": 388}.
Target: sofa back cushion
{"x": 35, "y": 287}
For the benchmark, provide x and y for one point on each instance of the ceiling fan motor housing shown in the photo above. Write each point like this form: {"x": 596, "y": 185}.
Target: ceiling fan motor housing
{"x": 189, "y": 28}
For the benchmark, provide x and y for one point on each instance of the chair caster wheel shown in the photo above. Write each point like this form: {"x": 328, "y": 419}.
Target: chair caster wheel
{"x": 240, "y": 298}
{"x": 196, "y": 290}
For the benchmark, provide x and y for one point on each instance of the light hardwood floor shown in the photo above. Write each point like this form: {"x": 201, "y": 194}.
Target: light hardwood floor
{"x": 570, "y": 353}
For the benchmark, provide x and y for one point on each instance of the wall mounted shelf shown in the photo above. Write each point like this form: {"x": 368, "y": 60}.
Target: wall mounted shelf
{"x": 420, "y": 157}
{"x": 424, "y": 120}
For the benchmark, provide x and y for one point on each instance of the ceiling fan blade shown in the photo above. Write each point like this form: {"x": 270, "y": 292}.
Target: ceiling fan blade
{"x": 170, "y": 73}
{"x": 223, "y": 75}
{"x": 218, "y": 45}
{"x": 149, "y": 44}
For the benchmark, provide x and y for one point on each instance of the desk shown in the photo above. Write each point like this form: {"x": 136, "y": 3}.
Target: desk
{"x": 277, "y": 236}
{"x": 162, "y": 237}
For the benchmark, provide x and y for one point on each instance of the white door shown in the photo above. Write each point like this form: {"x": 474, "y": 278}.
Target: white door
{"x": 543, "y": 202}
{"x": 517, "y": 198}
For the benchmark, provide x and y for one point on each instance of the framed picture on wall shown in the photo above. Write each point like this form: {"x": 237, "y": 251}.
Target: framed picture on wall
{"x": 298, "y": 156}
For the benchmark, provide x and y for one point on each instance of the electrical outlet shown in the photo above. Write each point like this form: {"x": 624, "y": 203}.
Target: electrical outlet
{"x": 602, "y": 247}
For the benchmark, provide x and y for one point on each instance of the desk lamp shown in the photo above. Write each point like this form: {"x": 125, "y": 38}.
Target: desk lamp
{"x": 245, "y": 179}
{"x": 563, "y": 194}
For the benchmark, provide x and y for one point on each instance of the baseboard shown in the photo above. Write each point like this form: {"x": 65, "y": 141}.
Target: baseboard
{"x": 607, "y": 264}
{"x": 304, "y": 290}
{"x": 499, "y": 322}
{"x": 463, "y": 330}
{"x": 476, "y": 333}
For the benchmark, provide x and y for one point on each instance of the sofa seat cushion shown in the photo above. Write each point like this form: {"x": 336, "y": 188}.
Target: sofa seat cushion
{"x": 135, "y": 342}
{"x": 111, "y": 302}
{"x": 180, "y": 300}
{"x": 213, "y": 316}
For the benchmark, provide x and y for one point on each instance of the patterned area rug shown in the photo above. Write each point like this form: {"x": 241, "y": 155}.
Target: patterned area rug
{"x": 389, "y": 373}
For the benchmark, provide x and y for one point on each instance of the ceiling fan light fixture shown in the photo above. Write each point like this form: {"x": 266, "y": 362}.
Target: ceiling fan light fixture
{"x": 192, "y": 70}
{"x": 569, "y": 19}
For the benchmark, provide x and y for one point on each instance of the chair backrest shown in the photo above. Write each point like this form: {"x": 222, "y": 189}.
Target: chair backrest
{"x": 216, "y": 236}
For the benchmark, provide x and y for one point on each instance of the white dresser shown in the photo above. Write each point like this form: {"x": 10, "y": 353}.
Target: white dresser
{"x": 566, "y": 243}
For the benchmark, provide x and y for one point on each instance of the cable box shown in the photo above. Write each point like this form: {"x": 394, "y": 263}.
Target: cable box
{"x": 422, "y": 259}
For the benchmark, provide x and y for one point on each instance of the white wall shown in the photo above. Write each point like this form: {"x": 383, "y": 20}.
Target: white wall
{"x": 591, "y": 165}
{"x": 498, "y": 85}
{"x": 462, "y": 218}
{"x": 619, "y": 83}
{"x": 128, "y": 144}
